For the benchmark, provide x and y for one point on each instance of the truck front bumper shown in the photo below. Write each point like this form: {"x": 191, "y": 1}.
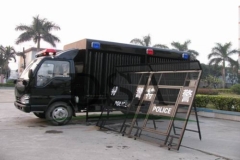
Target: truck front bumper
{"x": 23, "y": 107}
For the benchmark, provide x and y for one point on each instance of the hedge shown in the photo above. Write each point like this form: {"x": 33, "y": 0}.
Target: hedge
{"x": 219, "y": 102}
{"x": 226, "y": 91}
{"x": 211, "y": 91}
{"x": 201, "y": 101}
{"x": 235, "y": 89}
{"x": 6, "y": 85}
{"x": 207, "y": 91}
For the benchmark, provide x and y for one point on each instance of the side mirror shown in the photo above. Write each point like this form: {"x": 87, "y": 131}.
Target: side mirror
{"x": 24, "y": 82}
{"x": 30, "y": 73}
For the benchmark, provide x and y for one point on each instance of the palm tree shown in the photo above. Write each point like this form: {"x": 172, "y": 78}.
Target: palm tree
{"x": 233, "y": 71}
{"x": 39, "y": 30}
{"x": 184, "y": 47}
{"x": 234, "y": 66}
{"x": 210, "y": 70}
{"x": 2, "y": 60}
{"x": 146, "y": 41}
{"x": 220, "y": 55}
{"x": 6, "y": 54}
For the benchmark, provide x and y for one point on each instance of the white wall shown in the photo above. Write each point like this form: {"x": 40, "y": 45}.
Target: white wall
{"x": 28, "y": 57}
{"x": 239, "y": 33}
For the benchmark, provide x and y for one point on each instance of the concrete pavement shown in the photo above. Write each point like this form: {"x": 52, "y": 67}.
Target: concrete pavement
{"x": 6, "y": 94}
{"x": 24, "y": 136}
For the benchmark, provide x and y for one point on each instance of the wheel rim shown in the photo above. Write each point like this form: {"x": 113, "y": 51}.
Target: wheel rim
{"x": 59, "y": 114}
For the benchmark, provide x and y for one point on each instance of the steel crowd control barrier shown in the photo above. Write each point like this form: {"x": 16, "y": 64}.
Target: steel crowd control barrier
{"x": 157, "y": 101}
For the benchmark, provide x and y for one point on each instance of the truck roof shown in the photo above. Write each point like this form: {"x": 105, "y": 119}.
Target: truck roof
{"x": 120, "y": 47}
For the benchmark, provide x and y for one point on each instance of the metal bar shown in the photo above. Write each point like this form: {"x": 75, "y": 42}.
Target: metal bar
{"x": 154, "y": 131}
{"x": 139, "y": 106}
{"x": 88, "y": 54}
{"x": 188, "y": 115}
{"x": 129, "y": 108}
{"x": 187, "y": 129}
{"x": 147, "y": 115}
{"x": 173, "y": 117}
{"x": 199, "y": 131}
{"x": 182, "y": 71}
{"x": 159, "y": 86}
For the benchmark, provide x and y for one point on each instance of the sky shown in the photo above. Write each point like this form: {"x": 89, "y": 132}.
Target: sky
{"x": 204, "y": 22}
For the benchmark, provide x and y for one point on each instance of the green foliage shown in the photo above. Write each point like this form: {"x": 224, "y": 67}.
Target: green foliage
{"x": 210, "y": 70}
{"x": 6, "y": 54}
{"x": 40, "y": 29}
{"x": 201, "y": 101}
{"x": 146, "y": 41}
{"x": 212, "y": 81}
{"x": 7, "y": 85}
{"x": 219, "y": 102}
{"x": 225, "y": 91}
{"x": 238, "y": 77}
{"x": 221, "y": 54}
{"x": 207, "y": 91}
{"x": 235, "y": 88}
{"x": 10, "y": 81}
{"x": 222, "y": 102}
{"x": 184, "y": 47}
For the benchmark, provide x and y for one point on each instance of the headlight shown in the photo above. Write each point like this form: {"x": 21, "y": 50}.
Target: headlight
{"x": 25, "y": 99}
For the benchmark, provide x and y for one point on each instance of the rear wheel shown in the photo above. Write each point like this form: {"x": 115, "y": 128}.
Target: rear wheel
{"x": 59, "y": 113}
{"x": 39, "y": 115}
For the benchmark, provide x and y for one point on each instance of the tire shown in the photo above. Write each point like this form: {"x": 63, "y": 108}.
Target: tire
{"x": 39, "y": 115}
{"x": 59, "y": 113}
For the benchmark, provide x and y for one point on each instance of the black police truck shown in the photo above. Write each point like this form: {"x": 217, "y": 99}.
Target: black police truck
{"x": 57, "y": 85}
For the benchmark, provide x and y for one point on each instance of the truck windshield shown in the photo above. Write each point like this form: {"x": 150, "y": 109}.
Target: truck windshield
{"x": 32, "y": 66}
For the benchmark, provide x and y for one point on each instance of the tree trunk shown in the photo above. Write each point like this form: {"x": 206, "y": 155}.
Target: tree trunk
{"x": 38, "y": 45}
{"x": 24, "y": 59}
{"x": 224, "y": 75}
{"x": 1, "y": 69}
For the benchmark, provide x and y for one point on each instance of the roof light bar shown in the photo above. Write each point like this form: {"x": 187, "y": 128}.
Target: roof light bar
{"x": 185, "y": 56}
{"x": 149, "y": 51}
{"x": 96, "y": 45}
{"x": 46, "y": 52}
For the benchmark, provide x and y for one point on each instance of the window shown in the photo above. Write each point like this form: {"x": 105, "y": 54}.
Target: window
{"x": 61, "y": 69}
{"x": 51, "y": 69}
{"x": 79, "y": 68}
{"x": 32, "y": 66}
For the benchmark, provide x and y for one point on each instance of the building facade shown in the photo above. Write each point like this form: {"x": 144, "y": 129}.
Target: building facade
{"x": 239, "y": 34}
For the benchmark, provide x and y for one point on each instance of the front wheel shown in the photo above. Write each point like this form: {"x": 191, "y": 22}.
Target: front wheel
{"x": 59, "y": 113}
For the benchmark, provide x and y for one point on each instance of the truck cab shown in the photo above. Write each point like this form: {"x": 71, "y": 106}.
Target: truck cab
{"x": 47, "y": 82}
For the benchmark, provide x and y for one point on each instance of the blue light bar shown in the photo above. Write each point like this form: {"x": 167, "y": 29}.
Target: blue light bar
{"x": 185, "y": 56}
{"x": 95, "y": 45}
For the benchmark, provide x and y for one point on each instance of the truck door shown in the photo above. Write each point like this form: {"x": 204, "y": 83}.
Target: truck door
{"x": 52, "y": 81}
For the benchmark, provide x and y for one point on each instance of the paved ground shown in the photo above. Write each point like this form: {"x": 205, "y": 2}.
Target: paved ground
{"x": 23, "y": 136}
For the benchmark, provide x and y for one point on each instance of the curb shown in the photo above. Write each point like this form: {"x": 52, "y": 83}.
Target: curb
{"x": 219, "y": 114}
